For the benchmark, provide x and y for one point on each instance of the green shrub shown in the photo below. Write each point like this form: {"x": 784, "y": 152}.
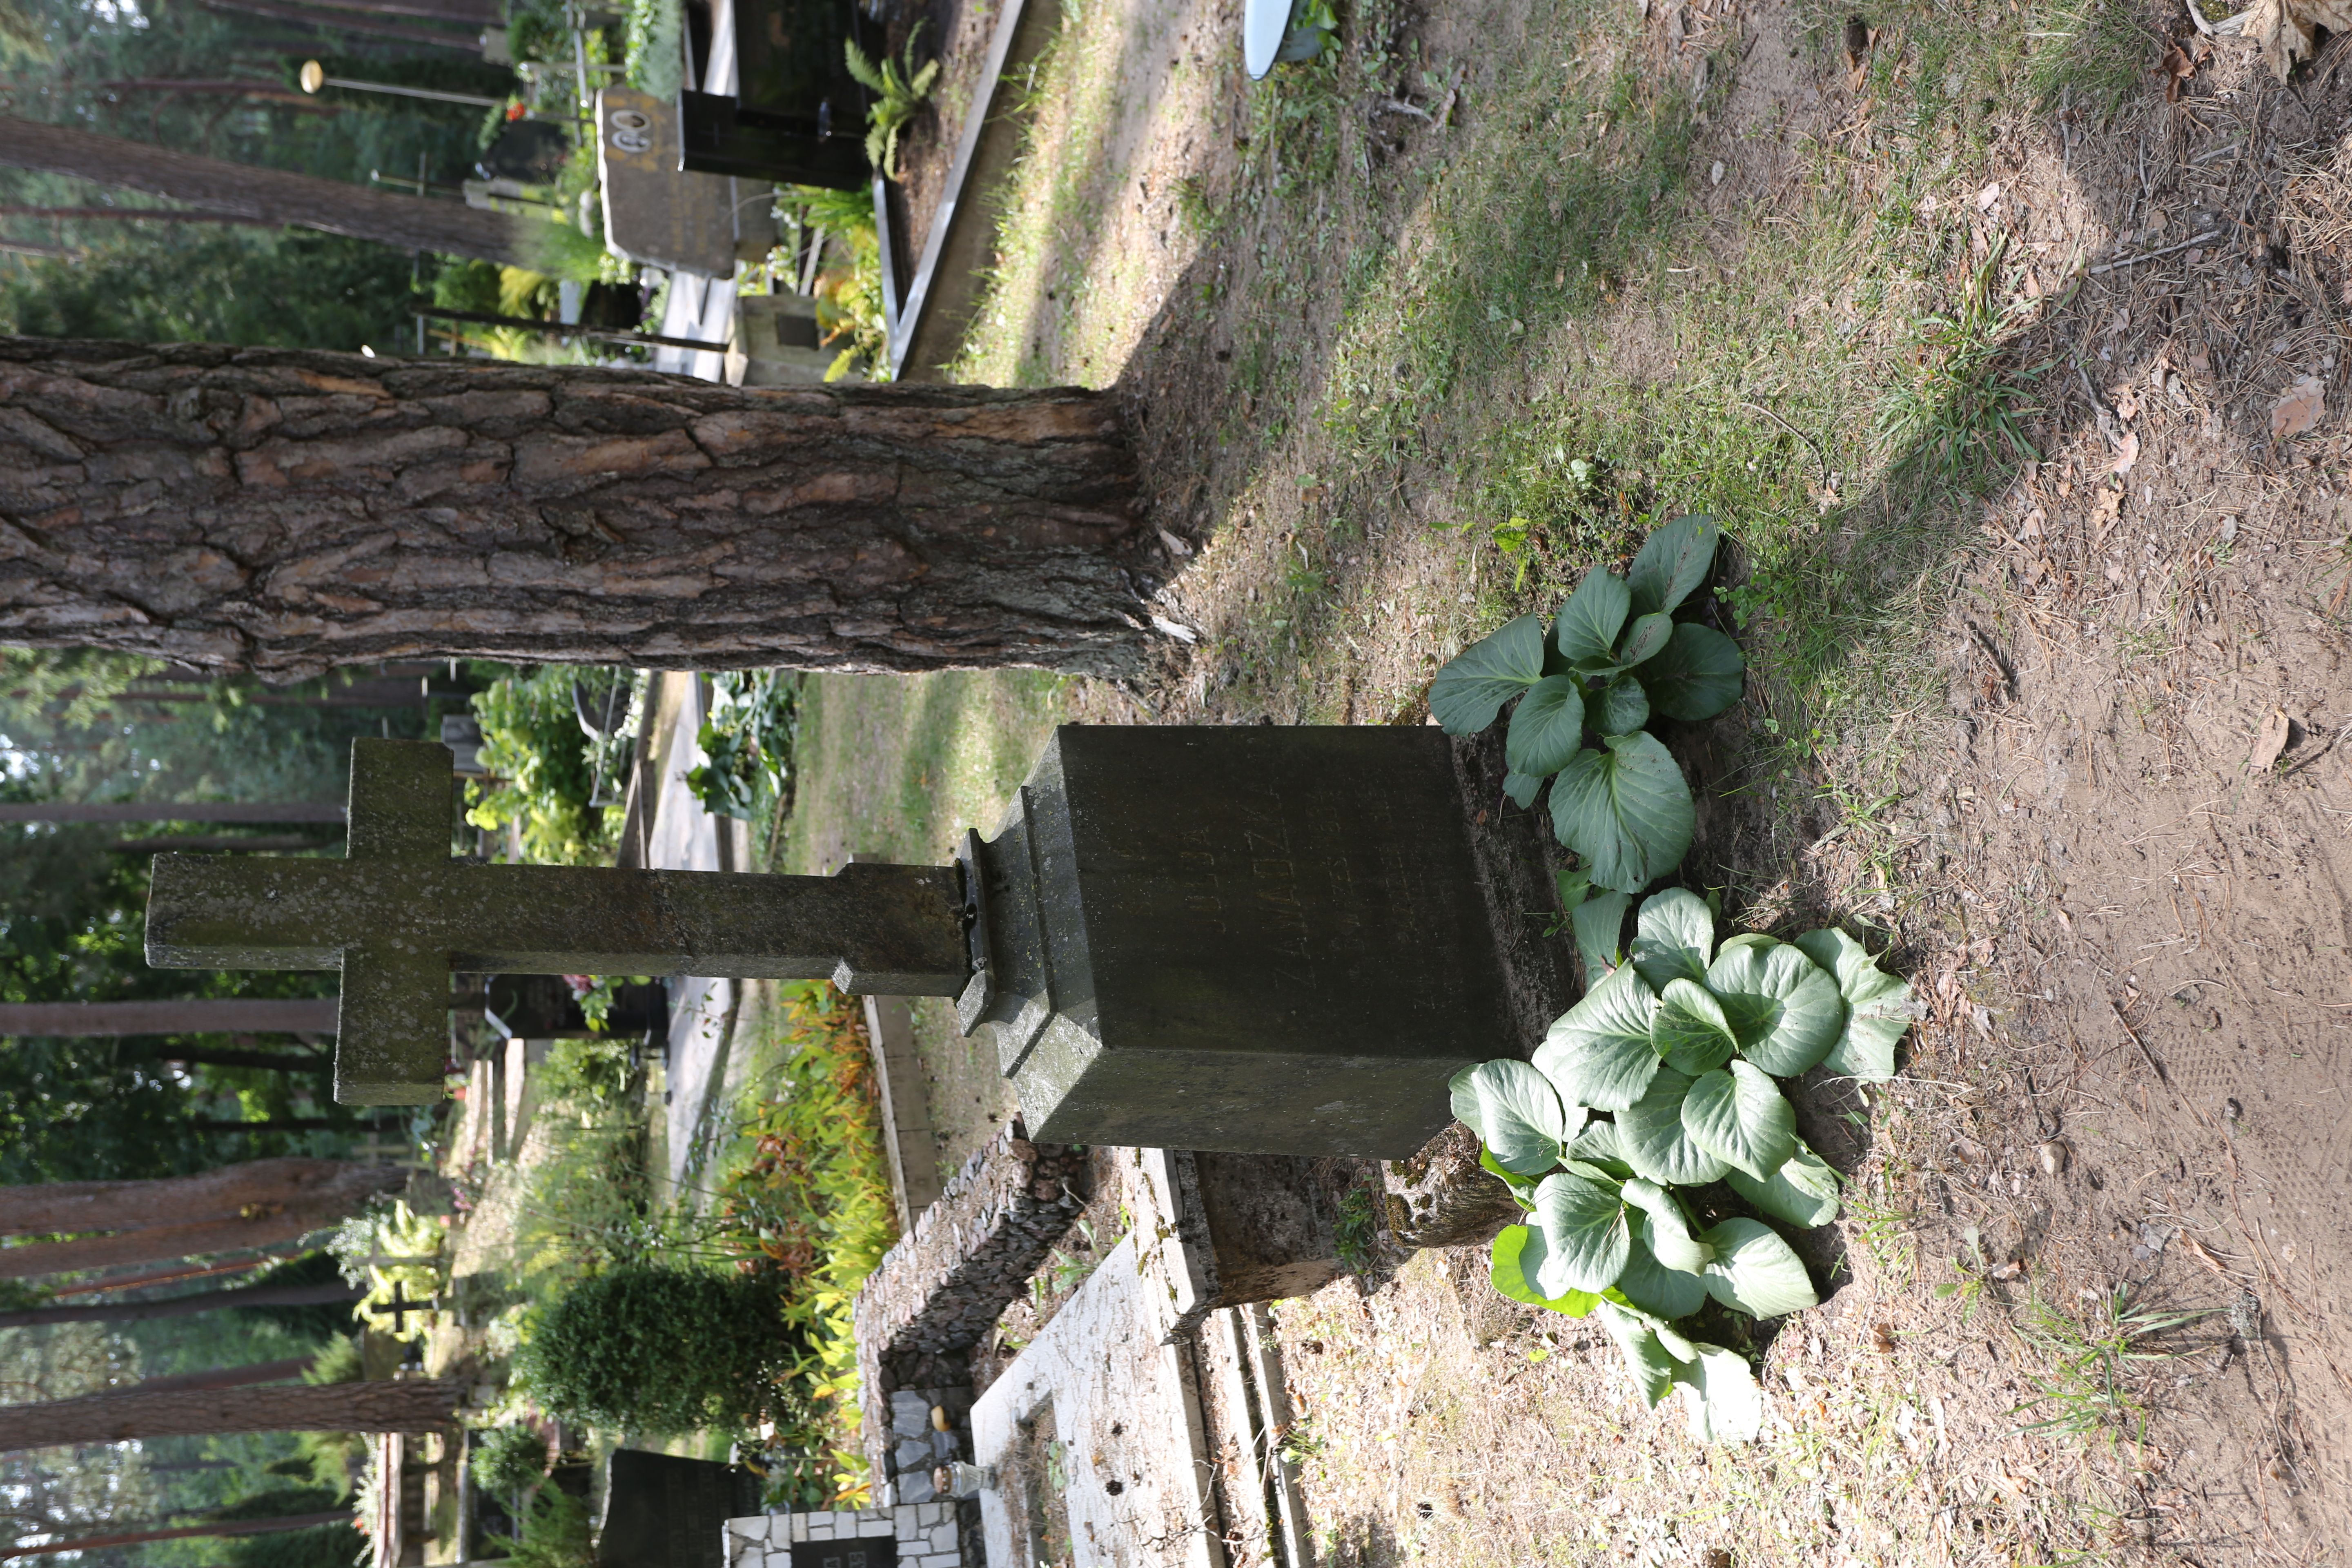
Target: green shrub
{"x": 508, "y": 1460}
{"x": 531, "y": 740}
{"x": 650, "y": 1349}
{"x": 747, "y": 740}
{"x": 555, "y": 1534}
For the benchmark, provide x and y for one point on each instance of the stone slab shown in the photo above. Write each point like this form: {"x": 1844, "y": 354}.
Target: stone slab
{"x": 1126, "y": 1411}
{"x": 655, "y": 212}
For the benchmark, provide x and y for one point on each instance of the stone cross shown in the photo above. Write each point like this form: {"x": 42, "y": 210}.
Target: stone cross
{"x": 398, "y": 914}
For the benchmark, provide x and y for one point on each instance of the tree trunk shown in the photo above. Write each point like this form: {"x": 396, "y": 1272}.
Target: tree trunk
{"x": 156, "y": 810}
{"x": 268, "y": 1061}
{"x": 218, "y": 1377}
{"x": 218, "y": 843}
{"x": 244, "y": 1191}
{"x": 186, "y": 1531}
{"x": 275, "y": 196}
{"x": 340, "y": 22}
{"x": 149, "y": 1278}
{"x": 419, "y": 1406}
{"x": 193, "y": 1015}
{"x": 158, "y": 215}
{"x": 183, "y": 1306}
{"x": 283, "y": 512}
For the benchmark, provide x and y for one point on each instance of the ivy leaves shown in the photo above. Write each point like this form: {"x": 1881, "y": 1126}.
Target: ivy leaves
{"x": 1614, "y": 660}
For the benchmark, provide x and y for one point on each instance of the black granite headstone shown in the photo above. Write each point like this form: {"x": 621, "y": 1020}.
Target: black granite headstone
{"x": 663, "y": 1511}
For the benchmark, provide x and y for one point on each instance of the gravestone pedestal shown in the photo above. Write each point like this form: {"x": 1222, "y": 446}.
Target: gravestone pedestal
{"x": 1257, "y": 940}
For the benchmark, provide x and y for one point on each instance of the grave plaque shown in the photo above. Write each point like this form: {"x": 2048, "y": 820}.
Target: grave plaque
{"x": 865, "y": 1551}
{"x": 657, "y": 213}
{"x": 663, "y": 1511}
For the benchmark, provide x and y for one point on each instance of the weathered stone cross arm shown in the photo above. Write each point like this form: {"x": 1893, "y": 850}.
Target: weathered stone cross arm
{"x": 399, "y": 913}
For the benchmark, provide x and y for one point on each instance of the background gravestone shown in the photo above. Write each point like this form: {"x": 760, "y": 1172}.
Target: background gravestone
{"x": 663, "y": 1511}
{"x": 657, "y": 213}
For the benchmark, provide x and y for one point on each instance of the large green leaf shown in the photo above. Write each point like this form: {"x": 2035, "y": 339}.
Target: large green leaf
{"x": 1643, "y": 641}
{"x": 1597, "y": 1145}
{"x": 1740, "y": 1115}
{"x": 1521, "y": 789}
{"x": 1803, "y": 1192}
{"x": 1627, "y": 809}
{"x": 1689, "y": 1029}
{"x": 1665, "y": 1229}
{"x": 1783, "y": 1006}
{"x": 1479, "y": 679}
{"x": 1652, "y": 1368}
{"x": 1878, "y": 1005}
{"x": 1586, "y": 633}
{"x": 1696, "y": 676}
{"x": 1598, "y": 1052}
{"x": 1516, "y": 1114}
{"x": 1600, "y": 922}
{"x": 1584, "y": 1235}
{"x": 1547, "y": 727}
{"x": 1726, "y": 1405}
{"x": 1673, "y": 934}
{"x": 1673, "y": 563}
{"x": 1509, "y": 1270}
{"x": 1650, "y": 1131}
{"x": 1622, "y": 709}
{"x": 1756, "y": 1271}
{"x": 1652, "y": 1285}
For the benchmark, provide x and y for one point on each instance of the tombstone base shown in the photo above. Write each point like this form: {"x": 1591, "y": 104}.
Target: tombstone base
{"x": 1250, "y": 940}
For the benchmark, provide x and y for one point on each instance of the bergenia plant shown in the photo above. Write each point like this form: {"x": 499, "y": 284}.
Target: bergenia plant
{"x": 1662, "y": 1078}
{"x": 1615, "y": 656}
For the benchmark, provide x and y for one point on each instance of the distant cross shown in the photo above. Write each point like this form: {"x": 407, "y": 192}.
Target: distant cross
{"x": 398, "y": 914}
{"x": 400, "y": 1306}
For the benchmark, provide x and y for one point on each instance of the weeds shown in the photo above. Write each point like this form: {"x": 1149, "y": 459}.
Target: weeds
{"x": 1354, "y": 1231}
{"x": 1961, "y": 420}
{"x": 2085, "y": 1387}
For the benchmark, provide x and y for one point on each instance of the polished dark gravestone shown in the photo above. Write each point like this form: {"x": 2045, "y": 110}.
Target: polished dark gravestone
{"x": 1253, "y": 939}
{"x": 663, "y": 1511}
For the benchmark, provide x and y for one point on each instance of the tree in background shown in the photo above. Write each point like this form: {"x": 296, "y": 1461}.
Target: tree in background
{"x": 285, "y": 289}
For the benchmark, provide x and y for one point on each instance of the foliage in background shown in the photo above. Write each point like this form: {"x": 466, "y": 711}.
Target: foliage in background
{"x": 748, "y": 741}
{"x": 506, "y": 1461}
{"x": 806, "y": 1191}
{"x": 900, "y": 91}
{"x": 556, "y": 1533}
{"x": 394, "y": 1254}
{"x": 543, "y": 781}
{"x": 651, "y": 33}
{"x": 321, "y": 1320}
{"x": 1678, "y": 1047}
{"x": 1615, "y": 656}
{"x": 849, "y": 283}
{"x": 650, "y": 1348}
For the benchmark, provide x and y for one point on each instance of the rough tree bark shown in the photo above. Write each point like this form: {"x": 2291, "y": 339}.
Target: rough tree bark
{"x": 422, "y": 1405}
{"x": 217, "y": 1377}
{"x": 151, "y": 810}
{"x": 282, "y": 1206}
{"x": 284, "y": 512}
{"x": 191, "y": 1015}
{"x": 237, "y": 1192}
{"x": 274, "y": 196}
{"x": 183, "y": 1306}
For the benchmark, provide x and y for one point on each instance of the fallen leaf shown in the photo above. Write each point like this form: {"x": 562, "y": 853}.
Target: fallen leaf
{"x": 2200, "y": 362}
{"x": 2127, "y": 450}
{"x": 2283, "y": 28}
{"x": 1882, "y": 1339}
{"x": 1987, "y": 197}
{"x": 2177, "y": 68}
{"x": 2031, "y": 527}
{"x": 2300, "y": 408}
{"x": 2126, "y": 406}
{"x": 2270, "y": 740}
{"x": 2013, "y": 1269}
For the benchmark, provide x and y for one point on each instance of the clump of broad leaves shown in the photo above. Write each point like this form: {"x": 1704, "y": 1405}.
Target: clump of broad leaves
{"x": 1615, "y": 656}
{"x": 1662, "y": 1081}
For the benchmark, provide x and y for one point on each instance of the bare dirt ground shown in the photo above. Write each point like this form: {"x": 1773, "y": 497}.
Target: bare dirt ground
{"x": 2052, "y": 709}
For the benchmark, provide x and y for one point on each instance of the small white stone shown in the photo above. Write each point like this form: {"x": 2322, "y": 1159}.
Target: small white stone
{"x": 819, "y": 1527}
{"x": 941, "y": 1537}
{"x": 798, "y": 1529}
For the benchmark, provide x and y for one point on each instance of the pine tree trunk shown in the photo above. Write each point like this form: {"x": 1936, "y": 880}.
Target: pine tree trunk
{"x": 275, "y": 196}
{"x": 285, "y": 513}
{"x": 183, "y": 1306}
{"x": 244, "y": 1191}
{"x": 190, "y": 1015}
{"x": 217, "y": 1377}
{"x": 370, "y": 1406}
{"x": 157, "y": 810}
{"x": 187, "y": 1532}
